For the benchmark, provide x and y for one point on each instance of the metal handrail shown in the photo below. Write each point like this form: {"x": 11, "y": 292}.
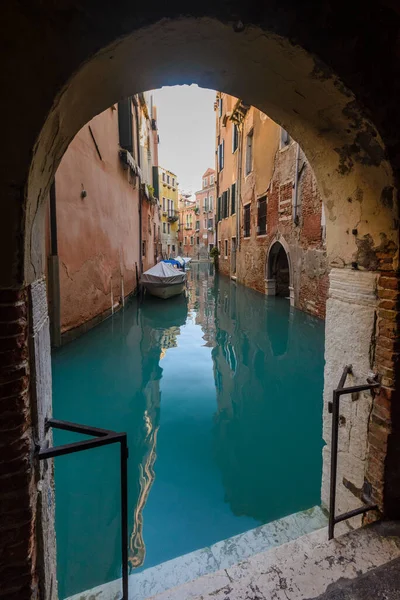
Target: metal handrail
{"x": 333, "y": 408}
{"x": 103, "y": 437}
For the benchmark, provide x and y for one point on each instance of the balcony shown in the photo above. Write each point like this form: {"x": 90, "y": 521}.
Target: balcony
{"x": 173, "y": 215}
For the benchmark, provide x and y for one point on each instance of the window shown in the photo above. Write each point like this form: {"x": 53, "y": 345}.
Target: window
{"x": 205, "y": 204}
{"x": 173, "y": 185}
{"x": 225, "y": 204}
{"x": 163, "y": 204}
{"x": 233, "y": 198}
{"x": 205, "y": 182}
{"x": 173, "y": 247}
{"x": 163, "y": 177}
{"x": 210, "y": 223}
{"x": 221, "y": 156}
{"x": 246, "y": 221}
{"x": 249, "y": 153}
{"x": 235, "y": 138}
{"x": 211, "y": 203}
{"x": 212, "y": 178}
{"x": 197, "y": 225}
{"x": 144, "y": 248}
{"x": 191, "y": 240}
{"x": 185, "y": 240}
{"x": 169, "y": 228}
{"x": 262, "y": 216}
{"x": 198, "y": 240}
{"x": 205, "y": 223}
{"x": 220, "y": 106}
{"x": 218, "y": 209}
{"x": 168, "y": 178}
{"x": 226, "y": 248}
{"x": 164, "y": 226}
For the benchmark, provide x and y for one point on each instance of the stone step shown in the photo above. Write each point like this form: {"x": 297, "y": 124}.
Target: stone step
{"x": 303, "y": 569}
{"x": 215, "y": 558}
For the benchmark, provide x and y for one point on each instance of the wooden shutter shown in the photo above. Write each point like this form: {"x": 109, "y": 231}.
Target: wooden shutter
{"x": 125, "y": 124}
{"x": 233, "y": 199}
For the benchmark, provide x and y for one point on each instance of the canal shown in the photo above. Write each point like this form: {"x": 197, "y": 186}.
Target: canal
{"x": 221, "y": 397}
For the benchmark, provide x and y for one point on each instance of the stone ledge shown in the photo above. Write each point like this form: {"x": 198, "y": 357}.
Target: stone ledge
{"x": 299, "y": 570}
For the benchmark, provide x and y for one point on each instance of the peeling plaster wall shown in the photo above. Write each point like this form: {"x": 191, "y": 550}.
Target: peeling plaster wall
{"x": 273, "y": 175}
{"x": 98, "y": 235}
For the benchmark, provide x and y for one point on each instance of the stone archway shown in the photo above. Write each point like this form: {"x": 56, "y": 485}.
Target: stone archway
{"x": 79, "y": 58}
{"x": 279, "y": 271}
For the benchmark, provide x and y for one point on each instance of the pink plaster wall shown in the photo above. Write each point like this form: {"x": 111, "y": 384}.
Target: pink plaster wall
{"x": 98, "y": 235}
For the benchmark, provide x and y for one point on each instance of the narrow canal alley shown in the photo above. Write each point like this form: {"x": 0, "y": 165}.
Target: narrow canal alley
{"x": 220, "y": 394}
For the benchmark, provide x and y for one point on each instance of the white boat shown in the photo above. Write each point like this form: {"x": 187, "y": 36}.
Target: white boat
{"x": 163, "y": 280}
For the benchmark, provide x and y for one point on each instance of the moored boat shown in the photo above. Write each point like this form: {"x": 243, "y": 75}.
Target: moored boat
{"x": 164, "y": 281}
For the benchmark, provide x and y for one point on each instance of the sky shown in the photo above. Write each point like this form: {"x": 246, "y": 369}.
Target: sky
{"x": 186, "y": 126}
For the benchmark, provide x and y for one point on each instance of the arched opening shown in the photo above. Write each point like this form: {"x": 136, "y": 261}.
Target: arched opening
{"x": 346, "y": 150}
{"x": 279, "y": 280}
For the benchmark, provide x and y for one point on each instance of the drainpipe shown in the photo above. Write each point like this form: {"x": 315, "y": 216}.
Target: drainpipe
{"x": 54, "y": 273}
{"x": 140, "y": 182}
{"x": 296, "y": 186}
{"x": 239, "y": 187}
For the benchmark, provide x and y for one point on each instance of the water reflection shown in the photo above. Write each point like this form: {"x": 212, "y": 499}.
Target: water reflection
{"x": 220, "y": 394}
{"x": 268, "y": 372}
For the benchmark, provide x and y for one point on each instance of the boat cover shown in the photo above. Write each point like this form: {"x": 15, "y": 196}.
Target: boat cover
{"x": 163, "y": 273}
{"x": 180, "y": 260}
{"x": 172, "y": 261}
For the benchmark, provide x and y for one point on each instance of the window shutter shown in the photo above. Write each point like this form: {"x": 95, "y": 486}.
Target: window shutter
{"x": 125, "y": 124}
{"x": 233, "y": 199}
{"x": 223, "y": 153}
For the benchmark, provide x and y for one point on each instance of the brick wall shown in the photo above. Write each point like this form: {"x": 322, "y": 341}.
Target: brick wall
{"x": 17, "y": 499}
{"x": 383, "y": 469}
{"x": 305, "y": 241}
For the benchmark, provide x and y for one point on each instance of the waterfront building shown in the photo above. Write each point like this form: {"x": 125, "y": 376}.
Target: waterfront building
{"x": 188, "y": 214}
{"x": 103, "y": 219}
{"x": 270, "y": 216}
{"x": 168, "y": 198}
{"x": 205, "y": 223}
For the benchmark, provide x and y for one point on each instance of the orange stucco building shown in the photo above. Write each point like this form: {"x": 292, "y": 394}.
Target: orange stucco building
{"x": 104, "y": 218}
{"x": 270, "y": 217}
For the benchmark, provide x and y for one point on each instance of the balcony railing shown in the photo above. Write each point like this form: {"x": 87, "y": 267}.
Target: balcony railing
{"x": 173, "y": 215}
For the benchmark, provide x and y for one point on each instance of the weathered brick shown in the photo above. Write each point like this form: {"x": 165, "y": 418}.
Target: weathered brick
{"x": 389, "y": 315}
{"x": 12, "y": 372}
{"x": 12, "y": 312}
{"x": 14, "y": 356}
{"x": 388, "y": 294}
{"x": 14, "y": 388}
{"x": 388, "y": 283}
{"x": 385, "y": 354}
{"x": 12, "y": 296}
{"x": 12, "y": 328}
{"x": 388, "y": 304}
{"x": 387, "y": 328}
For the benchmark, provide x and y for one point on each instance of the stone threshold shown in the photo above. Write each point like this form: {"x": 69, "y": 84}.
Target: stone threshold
{"x": 309, "y": 568}
{"x": 211, "y": 560}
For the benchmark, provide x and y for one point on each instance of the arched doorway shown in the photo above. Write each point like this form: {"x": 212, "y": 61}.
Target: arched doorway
{"x": 99, "y": 54}
{"x": 279, "y": 280}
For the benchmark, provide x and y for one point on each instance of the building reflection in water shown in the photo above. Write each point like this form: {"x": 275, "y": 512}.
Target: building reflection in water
{"x": 267, "y": 368}
{"x": 159, "y": 332}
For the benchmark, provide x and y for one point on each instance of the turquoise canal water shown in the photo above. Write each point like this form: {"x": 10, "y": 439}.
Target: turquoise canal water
{"x": 221, "y": 397}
